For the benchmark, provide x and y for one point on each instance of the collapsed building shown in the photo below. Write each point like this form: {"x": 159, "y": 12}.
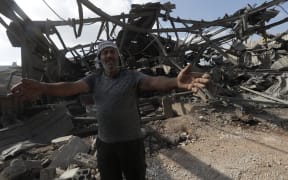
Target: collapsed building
{"x": 218, "y": 47}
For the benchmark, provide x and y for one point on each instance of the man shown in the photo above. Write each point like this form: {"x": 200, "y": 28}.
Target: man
{"x": 120, "y": 145}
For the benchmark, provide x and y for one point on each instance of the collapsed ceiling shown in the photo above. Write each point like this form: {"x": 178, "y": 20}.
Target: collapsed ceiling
{"x": 142, "y": 40}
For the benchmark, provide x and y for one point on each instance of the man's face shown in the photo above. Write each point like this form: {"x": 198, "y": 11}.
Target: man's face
{"x": 109, "y": 58}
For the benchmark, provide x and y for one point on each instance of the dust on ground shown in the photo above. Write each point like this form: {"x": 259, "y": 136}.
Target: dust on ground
{"x": 221, "y": 144}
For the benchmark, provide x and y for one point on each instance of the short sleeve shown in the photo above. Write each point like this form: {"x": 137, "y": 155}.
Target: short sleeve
{"x": 90, "y": 80}
{"x": 139, "y": 76}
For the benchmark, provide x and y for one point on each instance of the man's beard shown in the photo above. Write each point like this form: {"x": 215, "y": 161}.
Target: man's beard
{"x": 110, "y": 67}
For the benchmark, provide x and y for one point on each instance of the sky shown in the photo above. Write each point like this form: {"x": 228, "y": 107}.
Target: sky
{"x": 186, "y": 9}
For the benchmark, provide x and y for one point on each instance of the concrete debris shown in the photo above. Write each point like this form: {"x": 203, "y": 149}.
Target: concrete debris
{"x": 64, "y": 155}
{"x": 62, "y": 139}
{"x": 21, "y": 169}
{"x": 266, "y": 96}
{"x": 282, "y": 63}
{"x": 76, "y": 173}
{"x": 280, "y": 88}
{"x": 70, "y": 174}
{"x": 47, "y": 173}
{"x": 17, "y": 148}
{"x": 85, "y": 160}
{"x": 2, "y": 165}
{"x": 41, "y": 128}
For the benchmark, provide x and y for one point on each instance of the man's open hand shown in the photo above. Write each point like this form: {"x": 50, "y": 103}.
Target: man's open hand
{"x": 192, "y": 81}
{"x": 27, "y": 89}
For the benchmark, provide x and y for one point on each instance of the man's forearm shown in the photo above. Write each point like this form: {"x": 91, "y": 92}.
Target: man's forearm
{"x": 58, "y": 89}
{"x": 163, "y": 83}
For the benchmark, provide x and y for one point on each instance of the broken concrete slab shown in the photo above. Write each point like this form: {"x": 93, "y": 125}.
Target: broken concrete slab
{"x": 41, "y": 128}
{"x": 21, "y": 169}
{"x": 64, "y": 155}
{"x": 280, "y": 88}
{"x": 281, "y": 63}
{"x": 62, "y": 139}
{"x": 167, "y": 107}
{"x": 69, "y": 174}
{"x": 76, "y": 173}
{"x": 182, "y": 108}
{"x": 47, "y": 173}
{"x": 85, "y": 160}
{"x": 15, "y": 149}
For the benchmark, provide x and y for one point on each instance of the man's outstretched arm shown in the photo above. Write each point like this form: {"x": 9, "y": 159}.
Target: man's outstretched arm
{"x": 184, "y": 80}
{"x": 30, "y": 89}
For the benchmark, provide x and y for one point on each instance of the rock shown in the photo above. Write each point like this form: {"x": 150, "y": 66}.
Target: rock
{"x": 47, "y": 173}
{"x": 65, "y": 154}
{"x": 69, "y": 174}
{"x": 85, "y": 160}
{"x": 62, "y": 139}
{"x": 21, "y": 169}
{"x": 76, "y": 173}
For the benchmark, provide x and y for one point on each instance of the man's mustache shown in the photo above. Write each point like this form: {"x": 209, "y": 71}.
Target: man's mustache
{"x": 112, "y": 65}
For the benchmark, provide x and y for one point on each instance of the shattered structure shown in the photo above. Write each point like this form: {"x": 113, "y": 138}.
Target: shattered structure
{"x": 219, "y": 47}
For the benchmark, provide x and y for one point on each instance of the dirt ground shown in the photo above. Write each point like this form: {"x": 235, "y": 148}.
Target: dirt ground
{"x": 223, "y": 145}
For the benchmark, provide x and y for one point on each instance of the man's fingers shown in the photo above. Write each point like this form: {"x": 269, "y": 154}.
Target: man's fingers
{"x": 195, "y": 85}
{"x": 201, "y": 80}
{"x": 187, "y": 69}
{"x": 193, "y": 88}
{"x": 204, "y": 80}
{"x": 199, "y": 85}
{"x": 27, "y": 89}
{"x": 17, "y": 90}
{"x": 15, "y": 87}
{"x": 206, "y": 75}
{"x": 19, "y": 87}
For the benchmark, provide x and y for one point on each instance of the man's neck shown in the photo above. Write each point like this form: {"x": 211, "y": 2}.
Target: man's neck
{"x": 113, "y": 73}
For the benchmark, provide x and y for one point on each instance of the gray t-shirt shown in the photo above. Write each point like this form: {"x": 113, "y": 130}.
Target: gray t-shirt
{"x": 116, "y": 105}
